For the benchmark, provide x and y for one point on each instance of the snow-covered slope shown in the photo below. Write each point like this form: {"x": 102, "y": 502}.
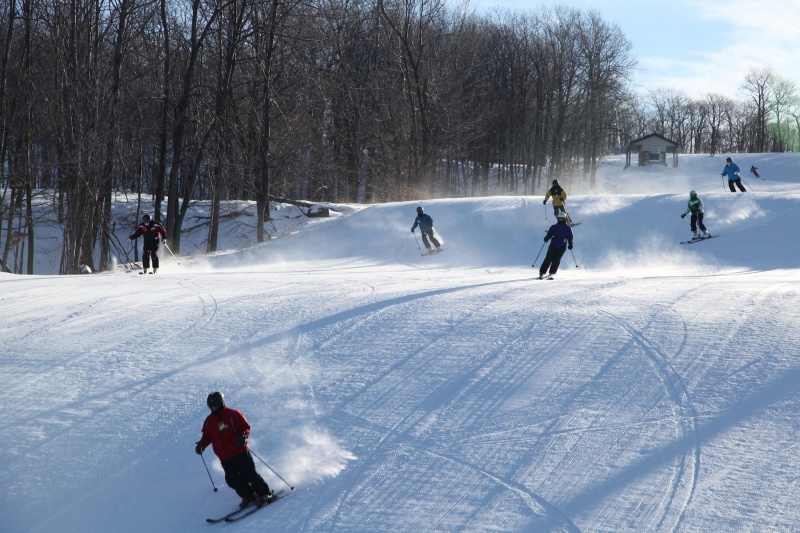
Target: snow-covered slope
{"x": 652, "y": 388}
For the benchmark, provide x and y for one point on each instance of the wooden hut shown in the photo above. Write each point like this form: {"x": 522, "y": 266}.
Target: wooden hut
{"x": 652, "y": 150}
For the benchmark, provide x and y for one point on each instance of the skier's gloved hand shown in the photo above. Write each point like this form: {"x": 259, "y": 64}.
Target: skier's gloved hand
{"x": 569, "y": 246}
{"x": 241, "y": 441}
{"x": 198, "y": 449}
{"x": 164, "y": 242}
{"x": 131, "y": 237}
{"x": 412, "y": 230}
{"x": 683, "y": 215}
{"x": 546, "y": 239}
{"x": 545, "y": 202}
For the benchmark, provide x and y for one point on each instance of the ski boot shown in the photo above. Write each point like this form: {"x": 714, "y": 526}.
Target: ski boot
{"x": 266, "y": 499}
{"x": 248, "y": 500}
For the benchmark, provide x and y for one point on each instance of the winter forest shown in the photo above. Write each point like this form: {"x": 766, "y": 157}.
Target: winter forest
{"x": 178, "y": 101}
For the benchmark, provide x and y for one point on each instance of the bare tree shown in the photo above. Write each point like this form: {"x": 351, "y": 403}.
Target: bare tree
{"x": 607, "y": 64}
{"x": 758, "y": 85}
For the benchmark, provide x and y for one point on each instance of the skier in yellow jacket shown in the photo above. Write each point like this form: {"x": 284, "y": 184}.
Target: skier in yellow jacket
{"x": 559, "y": 196}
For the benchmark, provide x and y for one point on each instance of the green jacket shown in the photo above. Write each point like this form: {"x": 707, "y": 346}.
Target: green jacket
{"x": 695, "y": 206}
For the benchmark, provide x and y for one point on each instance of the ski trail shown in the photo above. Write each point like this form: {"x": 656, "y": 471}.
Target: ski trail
{"x": 686, "y": 418}
{"x": 403, "y": 429}
{"x": 208, "y": 307}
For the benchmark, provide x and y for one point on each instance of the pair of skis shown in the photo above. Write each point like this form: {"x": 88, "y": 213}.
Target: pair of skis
{"x": 433, "y": 251}
{"x": 244, "y": 512}
{"x": 700, "y": 239}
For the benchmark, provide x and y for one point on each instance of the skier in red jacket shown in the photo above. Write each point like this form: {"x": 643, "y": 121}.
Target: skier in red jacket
{"x": 151, "y": 230}
{"x": 227, "y": 430}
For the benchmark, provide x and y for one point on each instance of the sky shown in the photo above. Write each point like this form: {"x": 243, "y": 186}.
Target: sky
{"x": 651, "y": 386}
{"x": 697, "y": 46}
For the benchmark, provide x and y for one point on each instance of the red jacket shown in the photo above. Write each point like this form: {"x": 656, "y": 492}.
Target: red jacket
{"x": 151, "y": 231}
{"x": 222, "y": 431}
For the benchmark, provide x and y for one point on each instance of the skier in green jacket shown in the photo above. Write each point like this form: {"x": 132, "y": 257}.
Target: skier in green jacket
{"x": 695, "y": 207}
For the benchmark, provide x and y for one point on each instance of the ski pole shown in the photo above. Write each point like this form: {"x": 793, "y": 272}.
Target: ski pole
{"x": 748, "y": 185}
{"x": 417, "y": 240}
{"x": 170, "y": 251}
{"x": 537, "y": 255}
{"x": 209, "y": 473}
{"x": 271, "y": 470}
{"x": 573, "y": 257}
{"x": 545, "y": 210}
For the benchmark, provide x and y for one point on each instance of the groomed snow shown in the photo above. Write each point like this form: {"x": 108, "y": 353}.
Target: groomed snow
{"x": 652, "y": 386}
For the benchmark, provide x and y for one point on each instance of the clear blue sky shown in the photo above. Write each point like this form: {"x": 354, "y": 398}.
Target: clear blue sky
{"x": 695, "y": 46}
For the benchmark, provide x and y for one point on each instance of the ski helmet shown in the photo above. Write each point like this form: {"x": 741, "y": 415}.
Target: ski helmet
{"x": 729, "y": 160}
{"x": 419, "y": 210}
{"x": 215, "y": 400}
{"x": 555, "y": 182}
{"x": 146, "y": 218}
{"x": 561, "y": 215}
{"x": 693, "y": 193}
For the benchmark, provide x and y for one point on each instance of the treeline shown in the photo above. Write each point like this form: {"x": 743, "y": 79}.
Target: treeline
{"x": 766, "y": 119}
{"x": 340, "y": 100}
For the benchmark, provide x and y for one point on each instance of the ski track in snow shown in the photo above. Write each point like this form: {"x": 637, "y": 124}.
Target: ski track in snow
{"x": 432, "y": 398}
{"x": 393, "y": 428}
{"x": 688, "y": 460}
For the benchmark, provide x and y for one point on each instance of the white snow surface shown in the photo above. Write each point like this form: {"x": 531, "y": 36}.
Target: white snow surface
{"x": 652, "y": 386}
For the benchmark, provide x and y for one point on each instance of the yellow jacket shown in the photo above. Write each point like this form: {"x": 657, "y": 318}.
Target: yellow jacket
{"x": 559, "y": 199}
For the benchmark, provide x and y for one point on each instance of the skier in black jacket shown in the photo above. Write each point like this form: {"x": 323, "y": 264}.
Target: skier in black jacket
{"x": 151, "y": 231}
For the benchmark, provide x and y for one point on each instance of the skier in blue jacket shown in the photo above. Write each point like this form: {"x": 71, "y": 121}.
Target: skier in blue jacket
{"x": 732, "y": 171}
{"x": 560, "y": 237}
{"x": 425, "y": 223}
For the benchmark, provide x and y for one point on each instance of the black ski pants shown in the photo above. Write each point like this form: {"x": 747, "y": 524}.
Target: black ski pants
{"x": 552, "y": 260}
{"x": 697, "y": 220}
{"x": 150, "y": 251}
{"x": 738, "y": 183}
{"x": 241, "y": 476}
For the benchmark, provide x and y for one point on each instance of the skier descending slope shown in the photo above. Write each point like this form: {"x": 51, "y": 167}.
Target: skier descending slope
{"x": 559, "y": 196}
{"x": 151, "y": 231}
{"x": 425, "y": 223}
{"x": 732, "y": 171}
{"x": 560, "y": 237}
{"x": 227, "y": 430}
{"x": 695, "y": 207}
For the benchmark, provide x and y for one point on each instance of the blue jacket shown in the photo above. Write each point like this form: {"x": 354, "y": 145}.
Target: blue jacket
{"x": 560, "y": 233}
{"x": 732, "y": 170}
{"x": 425, "y": 223}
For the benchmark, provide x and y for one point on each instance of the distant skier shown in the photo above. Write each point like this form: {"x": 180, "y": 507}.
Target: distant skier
{"x": 227, "y": 430}
{"x": 695, "y": 207}
{"x": 732, "y": 171}
{"x": 560, "y": 237}
{"x": 559, "y": 196}
{"x": 151, "y": 231}
{"x": 754, "y": 171}
{"x": 425, "y": 223}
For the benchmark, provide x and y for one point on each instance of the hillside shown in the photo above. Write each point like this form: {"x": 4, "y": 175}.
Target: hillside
{"x": 652, "y": 388}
